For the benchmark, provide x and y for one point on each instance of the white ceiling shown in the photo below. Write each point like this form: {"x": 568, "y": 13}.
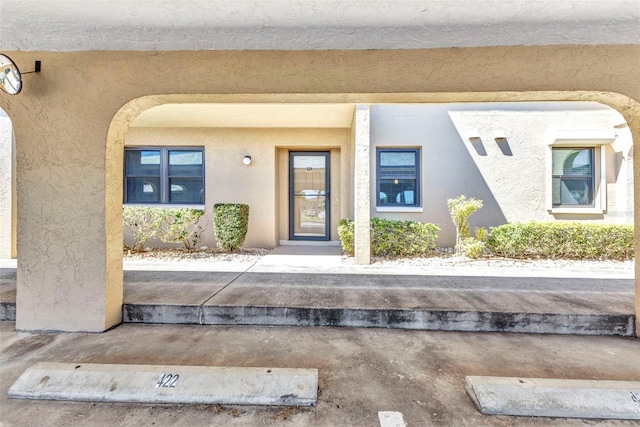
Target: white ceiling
{"x": 79, "y": 25}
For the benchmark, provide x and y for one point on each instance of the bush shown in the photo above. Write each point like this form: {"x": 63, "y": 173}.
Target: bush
{"x": 181, "y": 226}
{"x": 171, "y": 225}
{"x": 570, "y": 240}
{"x": 460, "y": 210}
{"x": 393, "y": 238}
{"x": 143, "y": 222}
{"x": 230, "y": 224}
{"x": 473, "y": 248}
{"x": 346, "y": 232}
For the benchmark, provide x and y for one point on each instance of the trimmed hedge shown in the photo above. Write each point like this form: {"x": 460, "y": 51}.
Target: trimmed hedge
{"x": 171, "y": 225}
{"x": 570, "y": 240}
{"x": 230, "y": 224}
{"x": 393, "y": 238}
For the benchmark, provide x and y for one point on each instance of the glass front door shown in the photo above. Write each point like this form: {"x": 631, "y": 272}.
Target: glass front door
{"x": 309, "y": 196}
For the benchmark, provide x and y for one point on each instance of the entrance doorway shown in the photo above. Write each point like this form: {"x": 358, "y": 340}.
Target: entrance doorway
{"x": 309, "y": 216}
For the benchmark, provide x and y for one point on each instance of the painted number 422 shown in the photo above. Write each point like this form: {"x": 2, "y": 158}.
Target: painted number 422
{"x": 168, "y": 380}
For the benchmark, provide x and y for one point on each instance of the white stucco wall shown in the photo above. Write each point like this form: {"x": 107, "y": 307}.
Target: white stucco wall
{"x": 511, "y": 176}
{"x": 7, "y": 201}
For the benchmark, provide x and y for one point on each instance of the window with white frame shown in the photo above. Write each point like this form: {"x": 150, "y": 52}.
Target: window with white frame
{"x": 398, "y": 177}
{"x": 165, "y": 175}
{"x": 578, "y": 172}
{"x": 573, "y": 177}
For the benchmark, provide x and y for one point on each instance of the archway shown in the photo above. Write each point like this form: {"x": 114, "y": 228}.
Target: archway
{"x": 629, "y": 108}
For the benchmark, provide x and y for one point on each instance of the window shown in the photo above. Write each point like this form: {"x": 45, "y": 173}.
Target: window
{"x": 164, "y": 175}
{"x": 573, "y": 180}
{"x": 398, "y": 177}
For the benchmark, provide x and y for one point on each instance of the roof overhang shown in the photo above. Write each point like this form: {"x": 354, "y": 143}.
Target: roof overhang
{"x": 85, "y": 25}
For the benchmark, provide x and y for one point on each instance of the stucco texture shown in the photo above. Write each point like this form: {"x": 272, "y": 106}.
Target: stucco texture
{"x": 71, "y": 119}
{"x": 460, "y": 156}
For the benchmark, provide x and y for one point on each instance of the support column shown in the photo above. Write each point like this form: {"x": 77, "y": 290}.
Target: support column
{"x": 362, "y": 185}
{"x": 66, "y": 279}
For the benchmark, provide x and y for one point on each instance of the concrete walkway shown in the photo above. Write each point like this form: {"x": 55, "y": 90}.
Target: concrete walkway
{"x": 310, "y": 286}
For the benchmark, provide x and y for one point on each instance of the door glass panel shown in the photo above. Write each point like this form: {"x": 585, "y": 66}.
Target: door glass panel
{"x": 309, "y": 198}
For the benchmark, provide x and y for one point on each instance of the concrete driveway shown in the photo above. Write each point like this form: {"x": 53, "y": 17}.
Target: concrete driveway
{"x": 361, "y": 372}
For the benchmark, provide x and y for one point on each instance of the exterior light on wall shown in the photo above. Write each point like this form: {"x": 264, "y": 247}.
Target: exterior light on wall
{"x": 499, "y": 134}
{"x": 395, "y": 181}
{"x": 246, "y": 160}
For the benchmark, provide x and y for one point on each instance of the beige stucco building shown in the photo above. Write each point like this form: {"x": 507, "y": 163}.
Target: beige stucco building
{"x": 75, "y": 120}
{"x": 455, "y": 146}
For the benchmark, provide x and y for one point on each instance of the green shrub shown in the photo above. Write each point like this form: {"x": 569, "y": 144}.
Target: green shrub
{"x": 481, "y": 234}
{"x": 346, "y": 232}
{"x": 170, "y": 225}
{"x": 143, "y": 222}
{"x": 473, "y": 248}
{"x": 230, "y": 224}
{"x": 393, "y": 238}
{"x": 571, "y": 240}
{"x": 460, "y": 210}
{"x": 181, "y": 226}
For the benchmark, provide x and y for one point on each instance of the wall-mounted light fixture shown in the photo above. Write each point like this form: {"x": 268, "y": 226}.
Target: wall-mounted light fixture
{"x": 473, "y": 134}
{"x": 499, "y": 134}
{"x": 246, "y": 160}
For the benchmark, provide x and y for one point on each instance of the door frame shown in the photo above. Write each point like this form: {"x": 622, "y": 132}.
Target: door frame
{"x": 327, "y": 185}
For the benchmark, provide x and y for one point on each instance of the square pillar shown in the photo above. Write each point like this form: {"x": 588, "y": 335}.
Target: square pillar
{"x": 66, "y": 279}
{"x": 362, "y": 185}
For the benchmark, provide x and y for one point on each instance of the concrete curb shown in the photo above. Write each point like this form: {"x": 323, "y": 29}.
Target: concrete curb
{"x": 416, "y": 319}
{"x": 167, "y": 384}
{"x": 540, "y": 397}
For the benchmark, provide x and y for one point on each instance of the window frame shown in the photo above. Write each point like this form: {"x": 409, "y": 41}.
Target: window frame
{"x": 165, "y": 187}
{"x": 591, "y": 176}
{"x": 395, "y": 206}
{"x": 598, "y": 141}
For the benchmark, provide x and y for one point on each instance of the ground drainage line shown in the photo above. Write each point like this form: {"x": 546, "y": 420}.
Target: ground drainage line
{"x": 201, "y": 306}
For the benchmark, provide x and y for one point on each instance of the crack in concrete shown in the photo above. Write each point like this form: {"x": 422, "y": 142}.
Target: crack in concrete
{"x": 201, "y": 306}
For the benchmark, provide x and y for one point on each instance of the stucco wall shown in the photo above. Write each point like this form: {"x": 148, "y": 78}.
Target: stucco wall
{"x": 70, "y": 121}
{"x": 263, "y": 185}
{"x": 511, "y": 176}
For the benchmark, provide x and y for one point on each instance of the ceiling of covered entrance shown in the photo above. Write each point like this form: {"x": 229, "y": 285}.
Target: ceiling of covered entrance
{"x": 81, "y": 25}
{"x": 247, "y": 116}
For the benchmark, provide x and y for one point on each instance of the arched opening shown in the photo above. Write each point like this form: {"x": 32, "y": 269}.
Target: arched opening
{"x": 629, "y": 109}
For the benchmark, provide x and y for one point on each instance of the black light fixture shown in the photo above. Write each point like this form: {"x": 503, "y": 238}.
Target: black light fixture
{"x": 10, "y": 76}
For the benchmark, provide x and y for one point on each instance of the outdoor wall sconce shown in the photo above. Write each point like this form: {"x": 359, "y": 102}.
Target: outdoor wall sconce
{"x": 10, "y": 76}
{"x": 246, "y": 160}
{"x": 473, "y": 134}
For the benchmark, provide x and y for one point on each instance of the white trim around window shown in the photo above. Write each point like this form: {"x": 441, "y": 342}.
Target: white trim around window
{"x": 596, "y": 141}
